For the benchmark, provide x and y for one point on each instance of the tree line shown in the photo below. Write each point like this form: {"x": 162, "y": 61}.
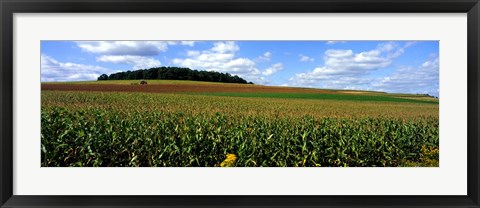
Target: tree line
{"x": 174, "y": 73}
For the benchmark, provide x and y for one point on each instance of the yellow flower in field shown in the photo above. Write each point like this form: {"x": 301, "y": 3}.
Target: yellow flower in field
{"x": 229, "y": 161}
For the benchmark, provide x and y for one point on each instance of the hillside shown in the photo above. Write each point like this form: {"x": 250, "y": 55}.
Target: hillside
{"x": 235, "y": 90}
{"x": 171, "y": 123}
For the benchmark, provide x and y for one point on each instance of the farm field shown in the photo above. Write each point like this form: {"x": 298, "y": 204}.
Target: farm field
{"x": 169, "y": 123}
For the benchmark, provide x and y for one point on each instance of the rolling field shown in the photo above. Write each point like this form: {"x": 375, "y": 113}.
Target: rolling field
{"x": 199, "y": 124}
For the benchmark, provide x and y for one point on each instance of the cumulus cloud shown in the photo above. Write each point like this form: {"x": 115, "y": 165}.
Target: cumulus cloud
{"x": 423, "y": 79}
{"x": 53, "y": 70}
{"x": 222, "y": 58}
{"x": 138, "y": 62}
{"x": 138, "y": 54}
{"x": 305, "y": 58}
{"x": 346, "y": 69}
{"x": 273, "y": 69}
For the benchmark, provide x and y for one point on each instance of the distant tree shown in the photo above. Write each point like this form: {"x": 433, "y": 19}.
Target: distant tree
{"x": 175, "y": 73}
{"x": 151, "y": 73}
{"x": 138, "y": 74}
{"x": 103, "y": 77}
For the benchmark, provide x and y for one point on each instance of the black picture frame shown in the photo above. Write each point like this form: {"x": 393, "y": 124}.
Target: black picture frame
{"x": 9, "y": 7}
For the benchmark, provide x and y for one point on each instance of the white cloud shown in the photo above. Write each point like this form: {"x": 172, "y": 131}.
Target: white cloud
{"x": 189, "y": 43}
{"x": 193, "y": 53}
{"x": 410, "y": 43}
{"x": 258, "y": 80}
{"x": 53, "y": 70}
{"x": 225, "y": 47}
{"x": 334, "y": 42}
{"x": 186, "y": 43}
{"x": 222, "y": 58}
{"x": 273, "y": 69}
{"x": 136, "y": 48}
{"x": 423, "y": 79}
{"x": 266, "y": 56}
{"x": 346, "y": 69}
{"x": 305, "y": 58}
{"x": 331, "y": 82}
{"x": 138, "y": 54}
{"x": 138, "y": 62}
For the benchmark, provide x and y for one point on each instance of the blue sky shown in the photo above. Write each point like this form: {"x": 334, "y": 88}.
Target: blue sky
{"x": 389, "y": 66}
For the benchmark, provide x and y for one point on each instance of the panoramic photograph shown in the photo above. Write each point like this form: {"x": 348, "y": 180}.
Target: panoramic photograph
{"x": 229, "y": 103}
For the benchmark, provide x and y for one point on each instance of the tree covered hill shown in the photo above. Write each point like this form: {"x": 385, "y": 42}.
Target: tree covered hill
{"x": 174, "y": 73}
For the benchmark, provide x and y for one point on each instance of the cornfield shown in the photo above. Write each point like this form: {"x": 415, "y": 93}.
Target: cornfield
{"x": 119, "y": 129}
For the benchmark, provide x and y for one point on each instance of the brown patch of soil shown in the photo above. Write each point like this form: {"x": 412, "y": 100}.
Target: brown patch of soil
{"x": 174, "y": 88}
{"x": 353, "y": 92}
